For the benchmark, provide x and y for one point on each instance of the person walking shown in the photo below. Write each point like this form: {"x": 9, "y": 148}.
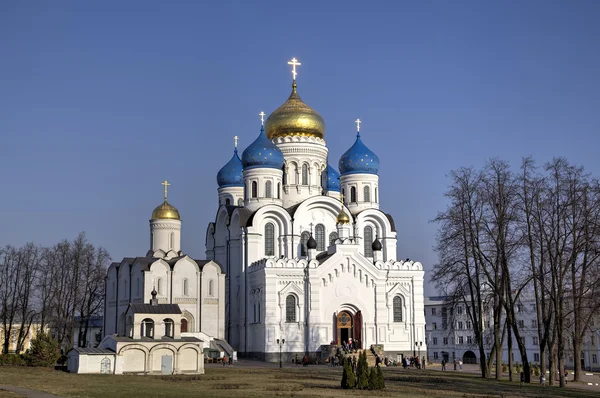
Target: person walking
{"x": 443, "y": 365}
{"x": 424, "y": 362}
{"x": 522, "y": 379}
{"x": 460, "y": 364}
{"x": 454, "y": 361}
{"x": 224, "y": 361}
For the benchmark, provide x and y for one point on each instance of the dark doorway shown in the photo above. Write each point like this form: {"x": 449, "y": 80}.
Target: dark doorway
{"x": 470, "y": 357}
{"x": 344, "y": 327}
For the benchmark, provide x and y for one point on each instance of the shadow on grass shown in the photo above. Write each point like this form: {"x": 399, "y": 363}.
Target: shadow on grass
{"x": 471, "y": 384}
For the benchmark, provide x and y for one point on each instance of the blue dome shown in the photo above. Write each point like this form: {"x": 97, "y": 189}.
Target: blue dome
{"x": 231, "y": 174}
{"x": 262, "y": 153}
{"x": 359, "y": 160}
{"x": 332, "y": 179}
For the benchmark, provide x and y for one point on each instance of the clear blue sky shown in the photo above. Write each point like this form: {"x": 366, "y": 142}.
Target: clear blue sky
{"x": 101, "y": 101}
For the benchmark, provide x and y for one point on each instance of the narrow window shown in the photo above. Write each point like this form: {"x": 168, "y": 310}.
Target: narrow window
{"x": 304, "y": 174}
{"x": 367, "y": 193}
{"x": 269, "y": 239}
{"x": 268, "y": 192}
{"x": 344, "y": 195}
{"x": 254, "y": 189}
{"x": 353, "y": 195}
{"x": 184, "y": 325}
{"x": 227, "y": 202}
{"x": 303, "y": 240}
{"x": 368, "y": 241}
{"x": 278, "y": 190}
{"x": 159, "y": 285}
{"x": 376, "y": 195}
{"x": 241, "y": 202}
{"x": 210, "y": 288}
{"x": 320, "y": 237}
{"x": 185, "y": 287}
{"x": 332, "y": 238}
{"x": 168, "y": 327}
{"x": 290, "y": 308}
{"x": 397, "y": 304}
{"x": 171, "y": 240}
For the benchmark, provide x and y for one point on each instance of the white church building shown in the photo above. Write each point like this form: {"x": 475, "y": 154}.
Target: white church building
{"x": 308, "y": 255}
{"x": 162, "y": 311}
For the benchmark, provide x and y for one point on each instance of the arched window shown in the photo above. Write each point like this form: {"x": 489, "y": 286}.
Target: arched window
{"x": 304, "y": 174}
{"x": 227, "y": 202}
{"x": 332, "y": 238}
{"x": 147, "y": 328}
{"x": 105, "y": 366}
{"x": 397, "y": 304}
{"x": 376, "y": 195}
{"x": 241, "y": 202}
{"x": 320, "y": 237}
{"x": 353, "y": 195}
{"x": 367, "y": 193}
{"x": 268, "y": 190}
{"x": 184, "y": 325}
{"x": 254, "y": 189}
{"x": 290, "y": 308}
{"x": 211, "y": 289}
{"x": 284, "y": 177}
{"x": 269, "y": 239}
{"x": 171, "y": 240}
{"x": 169, "y": 327}
{"x": 186, "y": 290}
{"x": 344, "y": 195}
{"x": 368, "y": 237}
{"x": 159, "y": 286}
{"x": 303, "y": 239}
{"x": 278, "y": 190}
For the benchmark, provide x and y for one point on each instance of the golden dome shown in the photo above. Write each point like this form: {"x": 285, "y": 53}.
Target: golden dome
{"x": 342, "y": 217}
{"x": 165, "y": 212}
{"x": 294, "y": 117}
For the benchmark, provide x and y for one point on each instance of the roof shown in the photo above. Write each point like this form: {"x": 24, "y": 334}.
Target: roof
{"x": 322, "y": 257}
{"x": 93, "y": 351}
{"x": 124, "y": 339}
{"x": 155, "y": 309}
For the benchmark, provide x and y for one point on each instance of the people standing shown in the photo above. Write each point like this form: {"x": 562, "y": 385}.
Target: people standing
{"x": 454, "y": 361}
{"x": 424, "y": 362}
{"x": 460, "y": 363}
{"x": 443, "y": 365}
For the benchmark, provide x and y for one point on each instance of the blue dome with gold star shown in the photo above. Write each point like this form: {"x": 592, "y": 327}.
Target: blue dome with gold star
{"x": 231, "y": 174}
{"x": 359, "y": 159}
{"x": 332, "y": 179}
{"x": 262, "y": 153}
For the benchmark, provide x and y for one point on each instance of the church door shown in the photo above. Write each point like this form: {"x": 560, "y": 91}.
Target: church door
{"x": 166, "y": 366}
{"x": 344, "y": 327}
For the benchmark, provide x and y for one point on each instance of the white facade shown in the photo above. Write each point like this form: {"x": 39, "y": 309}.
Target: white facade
{"x": 457, "y": 339}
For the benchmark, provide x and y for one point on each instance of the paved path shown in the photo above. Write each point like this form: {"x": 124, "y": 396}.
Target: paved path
{"x": 26, "y": 392}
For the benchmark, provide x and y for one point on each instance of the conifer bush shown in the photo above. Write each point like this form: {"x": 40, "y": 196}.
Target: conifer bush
{"x": 373, "y": 380}
{"x": 380, "y": 377}
{"x": 43, "y": 352}
{"x": 348, "y": 380}
{"x": 362, "y": 372}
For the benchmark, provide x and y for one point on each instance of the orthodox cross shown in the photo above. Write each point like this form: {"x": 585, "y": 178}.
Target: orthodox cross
{"x": 342, "y": 198}
{"x": 235, "y": 141}
{"x": 294, "y": 62}
{"x": 262, "y": 117}
{"x": 357, "y": 121}
{"x": 166, "y": 184}
{"x": 311, "y": 225}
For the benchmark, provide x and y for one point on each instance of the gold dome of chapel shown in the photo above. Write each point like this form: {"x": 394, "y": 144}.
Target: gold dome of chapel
{"x": 165, "y": 211}
{"x": 294, "y": 118}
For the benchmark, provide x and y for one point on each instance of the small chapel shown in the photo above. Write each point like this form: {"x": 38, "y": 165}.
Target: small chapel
{"x": 309, "y": 258}
{"x": 163, "y": 311}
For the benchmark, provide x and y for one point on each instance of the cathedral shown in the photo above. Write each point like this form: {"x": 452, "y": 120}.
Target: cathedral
{"x": 309, "y": 257}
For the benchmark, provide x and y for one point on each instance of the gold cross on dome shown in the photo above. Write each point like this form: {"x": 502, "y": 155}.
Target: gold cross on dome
{"x": 357, "y": 121}
{"x": 294, "y": 62}
{"x": 262, "y": 117}
{"x": 166, "y": 184}
{"x": 235, "y": 141}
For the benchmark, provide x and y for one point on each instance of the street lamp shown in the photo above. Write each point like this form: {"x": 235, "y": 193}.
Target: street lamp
{"x": 281, "y": 343}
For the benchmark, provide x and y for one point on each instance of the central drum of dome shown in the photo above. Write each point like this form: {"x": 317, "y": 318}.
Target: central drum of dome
{"x": 294, "y": 117}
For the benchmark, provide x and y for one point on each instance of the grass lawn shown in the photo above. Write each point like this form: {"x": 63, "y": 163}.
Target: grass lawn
{"x": 245, "y": 381}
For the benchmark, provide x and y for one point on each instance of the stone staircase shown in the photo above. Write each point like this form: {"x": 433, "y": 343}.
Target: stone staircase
{"x": 371, "y": 361}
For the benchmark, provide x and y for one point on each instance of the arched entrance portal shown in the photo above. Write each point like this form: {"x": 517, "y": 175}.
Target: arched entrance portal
{"x": 348, "y": 326}
{"x": 469, "y": 357}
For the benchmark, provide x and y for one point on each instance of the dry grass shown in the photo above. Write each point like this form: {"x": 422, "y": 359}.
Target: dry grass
{"x": 266, "y": 382}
